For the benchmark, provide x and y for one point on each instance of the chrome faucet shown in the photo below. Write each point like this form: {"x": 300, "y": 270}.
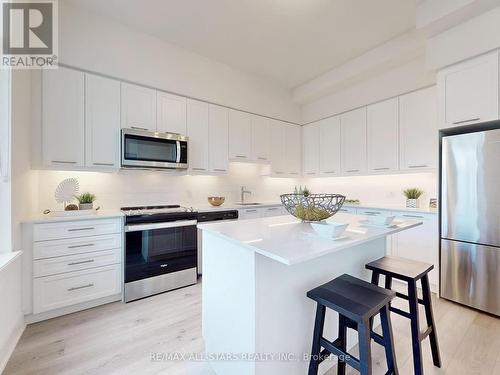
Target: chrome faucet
{"x": 243, "y": 192}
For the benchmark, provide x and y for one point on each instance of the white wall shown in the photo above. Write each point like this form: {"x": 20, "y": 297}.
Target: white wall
{"x": 92, "y": 42}
{"x": 407, "y": 77}
{"x": 377, "y": 190}
{"x": 5, "y": 189}
{"x": 128, "y": 188}
{"x": 23, "y": 180}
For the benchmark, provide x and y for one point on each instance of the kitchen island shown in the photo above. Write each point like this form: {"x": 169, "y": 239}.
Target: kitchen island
{"x": 256, "y": 316}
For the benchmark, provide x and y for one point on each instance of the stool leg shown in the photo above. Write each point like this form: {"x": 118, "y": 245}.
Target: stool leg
{"x": 390, "y": 355}
{"x": 429, "y": 315}
{"x": 316, "y": 346}
{"x": 375, "y": 281}
{"x": 388, "y": 282}
{"x": 342, "y": 344}
{"x": 365, "y": 353}
{"x": 415, "y": 328}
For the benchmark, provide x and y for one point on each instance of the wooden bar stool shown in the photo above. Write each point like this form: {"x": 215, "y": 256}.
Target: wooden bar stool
{"x": 356, "y": 301}
{"x": 411, "y": 271}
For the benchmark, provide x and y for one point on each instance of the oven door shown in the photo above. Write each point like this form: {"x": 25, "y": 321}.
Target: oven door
{"x": 159, "y": 248}
{"x": 144, "y": 149}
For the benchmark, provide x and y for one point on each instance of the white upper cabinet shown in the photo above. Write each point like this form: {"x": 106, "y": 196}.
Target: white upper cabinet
{"x": 198, "y": 133}
{"x": 293, "y": 150}
{"x": 260, "y": 138}
{"x": 418, "y": 134}
{"x": 102, "y": 122}
{"x": 310, "y": 155}
{"x": 468, "y": 91}
{"x": 138, "y": 107}
{"x": 277, "y": 151}
{"x": 218, "y": 138}
{"x": 353, "y": 141}
{"x": 240, "y": 135}
{"x": 63, "y": 131}
{"x": 329, "y": 146}
{"x": 382, "y": 136}
{"x": 170, "y": 113}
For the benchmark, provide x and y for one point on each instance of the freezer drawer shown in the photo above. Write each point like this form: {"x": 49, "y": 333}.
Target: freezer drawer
{"x": 469, "y": 275}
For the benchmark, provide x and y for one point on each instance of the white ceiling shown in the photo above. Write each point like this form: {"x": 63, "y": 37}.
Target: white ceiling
{"x": 287, "y": 41}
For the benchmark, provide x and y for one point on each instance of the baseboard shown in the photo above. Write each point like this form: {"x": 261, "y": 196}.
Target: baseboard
{"x": 9, "y": 347}
{"x": 34, "y": 318}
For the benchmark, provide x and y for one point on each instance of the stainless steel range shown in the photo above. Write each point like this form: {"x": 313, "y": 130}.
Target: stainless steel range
{"x": 160, "y": 249}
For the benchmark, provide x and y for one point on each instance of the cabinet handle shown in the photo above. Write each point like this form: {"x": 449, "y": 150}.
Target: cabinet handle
{"x": 310, "y": 173}
{"x": 279, "y": 172}
{"x": 261, "y": 158}
{"x": 80, "y": 287}
{"x": 273, "y": 208}
{"x": 82, "y": 262}
{"x": 418, "y": 166}
{"x": 241, "y": 156}
{"x": 294, "y": 173}
{"x": 198, "y": 169}
{"x": 414, "y": 216}
{"x": 352, "y": 170}
{"x": 64, "y": 162}
{"x": 139, "y": 128}
{"x": 329, "y": 172}
{"x": 105, "y": 164}
{"x": 80, "y": 229}
{"x": 250, "y": 210}
{"x": 78, "y": 246}
{"x": 464, "y": 121}
{"x": 381, "y": 169}
{"x": 371, "y": 213}
{"x": 220, "y": 170}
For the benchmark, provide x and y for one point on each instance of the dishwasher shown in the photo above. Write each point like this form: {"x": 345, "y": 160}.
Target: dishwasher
{"x": 211, "y": 216}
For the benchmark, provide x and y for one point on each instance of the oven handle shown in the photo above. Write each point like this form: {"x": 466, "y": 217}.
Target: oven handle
{"x": 171, "y": 224}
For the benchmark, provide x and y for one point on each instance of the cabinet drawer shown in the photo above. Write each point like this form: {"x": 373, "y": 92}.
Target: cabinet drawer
{"x": 272, "y": 211}
{"x": 73, "y": 246}
{"x": 349, "y": 210}
{"x": 372, "y": 212}
{"x": 73, "y": 229}
{"x": 54, "y": 292}
{"x": 53, "y": 266}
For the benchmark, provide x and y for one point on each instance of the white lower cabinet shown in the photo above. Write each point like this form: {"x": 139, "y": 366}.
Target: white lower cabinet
{"x": 420, "y": 243}
{"x": 249, "y": 213}
{"x": 258, "y": 212}
{"x": 56, "y": 291}
{"x": 75, "y": 262}
{"x": 273, "y": 211}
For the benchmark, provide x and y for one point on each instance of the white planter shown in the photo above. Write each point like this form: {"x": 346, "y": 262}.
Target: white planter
{"x": 86, "y": 206}
{"x": 412, "y": 203}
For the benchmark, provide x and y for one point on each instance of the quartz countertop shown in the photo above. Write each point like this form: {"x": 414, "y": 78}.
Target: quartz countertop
{"x": 287, "y": 240}
{"x": 387, "y": 207}
{"x": 51, "y": 218}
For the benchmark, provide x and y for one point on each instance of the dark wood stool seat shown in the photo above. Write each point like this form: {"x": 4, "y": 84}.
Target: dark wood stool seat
{"x": 357, "y": 302}
{"x": 411, "y": 272}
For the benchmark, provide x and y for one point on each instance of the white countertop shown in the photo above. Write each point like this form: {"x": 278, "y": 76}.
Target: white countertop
{"x": 289, "y": 241}
{"x": 52, "y": 218}
{"x": 378, "y": 206}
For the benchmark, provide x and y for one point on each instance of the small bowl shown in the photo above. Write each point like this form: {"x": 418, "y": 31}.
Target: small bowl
{"x": 381, "y": 220}
{"x": 216, "y": 201}
{"x": 329, "y": 229}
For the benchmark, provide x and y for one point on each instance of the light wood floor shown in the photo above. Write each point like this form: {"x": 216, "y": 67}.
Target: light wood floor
{"x": 120, "y": 339}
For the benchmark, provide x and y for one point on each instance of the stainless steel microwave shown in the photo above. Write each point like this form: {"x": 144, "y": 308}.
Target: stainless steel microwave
{"x": 142, "y": 149}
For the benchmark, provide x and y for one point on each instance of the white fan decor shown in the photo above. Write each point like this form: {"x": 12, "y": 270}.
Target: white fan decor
{"x": 66, "y": 191}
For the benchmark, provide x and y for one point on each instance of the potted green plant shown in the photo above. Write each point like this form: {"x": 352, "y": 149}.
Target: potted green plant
{"x": 412, "y": 195}
{"x": 86, "y": 201}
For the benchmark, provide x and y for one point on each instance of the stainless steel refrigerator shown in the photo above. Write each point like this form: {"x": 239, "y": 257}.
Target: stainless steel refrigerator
{"x": 470, "y": 219}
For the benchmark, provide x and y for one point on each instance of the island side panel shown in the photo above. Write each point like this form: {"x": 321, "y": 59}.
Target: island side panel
{"x": 228, "y": 303}
{"x": 284, "y": 314}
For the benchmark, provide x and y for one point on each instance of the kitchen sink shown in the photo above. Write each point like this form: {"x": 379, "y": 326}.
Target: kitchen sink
{"x": 248, "y": 204}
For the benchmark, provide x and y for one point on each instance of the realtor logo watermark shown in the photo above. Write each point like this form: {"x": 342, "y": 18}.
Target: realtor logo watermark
{"x": 29, "y": 34}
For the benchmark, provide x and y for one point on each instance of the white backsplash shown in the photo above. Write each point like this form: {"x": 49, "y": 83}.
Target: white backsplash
{"x": 129, "y": 187}
{"x": 135, "y": 187}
